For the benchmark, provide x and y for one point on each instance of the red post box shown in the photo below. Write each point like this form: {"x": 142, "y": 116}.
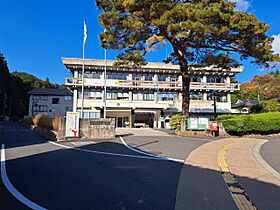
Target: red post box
{"x": 213, "y": 125}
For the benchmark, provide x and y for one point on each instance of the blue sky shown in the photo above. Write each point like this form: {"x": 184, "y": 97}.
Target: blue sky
{"x": 35, "y": 35}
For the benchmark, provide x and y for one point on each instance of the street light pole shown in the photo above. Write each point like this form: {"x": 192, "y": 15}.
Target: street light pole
{"x": 215, "y": 105}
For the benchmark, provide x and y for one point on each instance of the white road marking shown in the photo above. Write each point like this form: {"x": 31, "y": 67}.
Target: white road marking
{"x": 11, "y": 188}
{"x": 259, "y": 158}
{"x": 144, "y": 153}
{"x": 112, "y": 154}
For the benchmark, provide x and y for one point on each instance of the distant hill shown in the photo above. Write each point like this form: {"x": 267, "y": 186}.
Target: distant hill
{"x": 35, "y": 82}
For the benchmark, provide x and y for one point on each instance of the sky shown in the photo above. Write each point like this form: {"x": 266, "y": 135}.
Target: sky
{"x": 34, "y": 35}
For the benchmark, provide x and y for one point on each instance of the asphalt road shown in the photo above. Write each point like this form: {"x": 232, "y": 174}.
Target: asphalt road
{"x": 270, "y": 152}
{"x": 62, "y": 178}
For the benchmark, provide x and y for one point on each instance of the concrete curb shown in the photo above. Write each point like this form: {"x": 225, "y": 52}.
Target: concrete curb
{"x": 264, "y": 164}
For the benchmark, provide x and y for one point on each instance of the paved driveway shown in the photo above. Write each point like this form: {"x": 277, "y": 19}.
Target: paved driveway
{"x": 100, "y": 175}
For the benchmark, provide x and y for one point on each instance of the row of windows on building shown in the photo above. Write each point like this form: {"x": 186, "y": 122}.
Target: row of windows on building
{"x": 55, "y": 100}
{"x": 44, "y": 108}
{"x": 136, "y": 96}
{"x": 149, "y": 96}
{"x": 147, "y": 77}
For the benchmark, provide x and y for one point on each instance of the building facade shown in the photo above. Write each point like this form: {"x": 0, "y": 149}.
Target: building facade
{"x": 148, "y": 95}
{"x": 54, "y": 102}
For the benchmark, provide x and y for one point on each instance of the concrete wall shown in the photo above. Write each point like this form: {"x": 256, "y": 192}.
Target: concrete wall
{"x": 88, "y": 131}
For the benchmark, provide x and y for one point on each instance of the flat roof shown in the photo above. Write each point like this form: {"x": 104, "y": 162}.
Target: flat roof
{"x": 73, "y": 64}
{"x": 50, "y": 92}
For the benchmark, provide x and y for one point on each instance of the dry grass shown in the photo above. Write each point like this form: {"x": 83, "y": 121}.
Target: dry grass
{"x": 55, "y": 123}
{"x": 43, "y": 120}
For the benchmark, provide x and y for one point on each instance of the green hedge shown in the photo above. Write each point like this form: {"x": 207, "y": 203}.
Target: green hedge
{"x": 264, "y": 123}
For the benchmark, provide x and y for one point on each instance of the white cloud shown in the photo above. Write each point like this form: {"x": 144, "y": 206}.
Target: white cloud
{"x": 276, "y": 44}
{"x": 242, "y": 5}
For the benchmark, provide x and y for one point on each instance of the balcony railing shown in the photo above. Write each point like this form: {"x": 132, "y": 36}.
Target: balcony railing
{"x": 214, "y": 86}
{"x": 150, "y": 84}
{"x": 123, "y": 83}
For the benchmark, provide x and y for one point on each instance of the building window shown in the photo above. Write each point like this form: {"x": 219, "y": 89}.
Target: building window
{"x": 143, "y": 96}
{"x": 91, "y": 75}
{"x": 115, "y": 95}
{"x": 195, "y": 79}
{"x": 196, "y": 96}
{"x": 90, "y": 115}
{"x": 43, "y": 98}
{"x": 95, "y": 95}
{"x": 167, "y": 96}
{"x": 210, "y": 96}
{"x": 55, "y": 100}
{"x": 162, "y": 77}
{"x": 35, "y": 108}
{"x": 148, "y": 77}
{"x": 43, "y": 108}
{"x": 221, "y": 97}
{"x": 116, "y": 76}
{"x": 215, "y": 80}
{"x": 67, "y": 98}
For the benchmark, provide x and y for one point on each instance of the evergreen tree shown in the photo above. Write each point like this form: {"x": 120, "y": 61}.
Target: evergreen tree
{"x": 202, "y": 32}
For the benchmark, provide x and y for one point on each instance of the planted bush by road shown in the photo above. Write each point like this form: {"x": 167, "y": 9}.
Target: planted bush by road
{"x": 264, "y": 123}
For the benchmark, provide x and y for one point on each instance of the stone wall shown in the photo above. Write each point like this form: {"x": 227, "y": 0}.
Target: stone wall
{"x": 90, "y": 129}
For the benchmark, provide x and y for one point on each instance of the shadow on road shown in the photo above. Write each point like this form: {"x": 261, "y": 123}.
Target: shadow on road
{"x": 68, "y": 179}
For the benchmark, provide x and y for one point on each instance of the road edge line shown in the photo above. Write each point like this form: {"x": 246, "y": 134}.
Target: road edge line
{"x": 11, "y": 188}
{"x": 145, "y": 153}
{"x": 261, "y": 160}
{"x": 108, "y": 153}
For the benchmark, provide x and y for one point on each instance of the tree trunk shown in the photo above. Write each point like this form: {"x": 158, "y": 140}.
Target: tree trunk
{"x": 185, "y": 94}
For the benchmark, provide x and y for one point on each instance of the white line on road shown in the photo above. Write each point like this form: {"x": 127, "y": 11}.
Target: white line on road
{"x": 144, "y": 153}
{"x": 11, "y": 188}
{"x": 259, "y": 158}
{"x": 112, "y": 154}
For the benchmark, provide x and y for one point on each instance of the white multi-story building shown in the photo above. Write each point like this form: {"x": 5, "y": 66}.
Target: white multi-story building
{"x": 147, "y": 95}
{"x": 51, "y": 101}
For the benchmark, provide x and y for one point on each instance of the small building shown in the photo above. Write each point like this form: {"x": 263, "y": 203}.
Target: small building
{"x": 54, "y": 102}
{"x": 243, "y": 106}
{"x": 148, "y": 95}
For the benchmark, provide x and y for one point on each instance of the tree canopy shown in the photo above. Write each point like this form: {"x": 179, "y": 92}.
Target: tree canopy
{"x": 201, "y": 32}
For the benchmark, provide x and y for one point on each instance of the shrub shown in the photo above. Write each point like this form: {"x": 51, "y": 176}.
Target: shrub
{"x": 55, "y": 123}
{"x": 224, "y": 117}
{"x": 264, "y": 123}
{"x": 27, "y": 121}
{"x": 43, "y": 120}
{"x": 175, "y": 121}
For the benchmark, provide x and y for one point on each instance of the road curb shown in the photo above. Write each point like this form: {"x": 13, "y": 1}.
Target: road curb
{"x": 262, "y": 162}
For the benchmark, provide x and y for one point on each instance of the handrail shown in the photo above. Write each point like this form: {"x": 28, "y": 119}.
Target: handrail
{"x": 151, "y": 84}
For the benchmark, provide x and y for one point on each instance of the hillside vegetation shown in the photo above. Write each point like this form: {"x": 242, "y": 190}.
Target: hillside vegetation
{"x": 262, "y": 87}
{"x": 13, "y": 88}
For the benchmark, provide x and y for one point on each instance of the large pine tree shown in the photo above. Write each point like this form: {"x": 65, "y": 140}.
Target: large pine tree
{"x": 202, "y": 32}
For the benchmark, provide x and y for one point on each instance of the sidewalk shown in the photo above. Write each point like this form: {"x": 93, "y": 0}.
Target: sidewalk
{"x": 260, "y": 186}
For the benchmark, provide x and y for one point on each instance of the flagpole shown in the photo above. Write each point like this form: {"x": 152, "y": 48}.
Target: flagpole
{"x": 105, "y": 85}
{"x": 83, "y": 72}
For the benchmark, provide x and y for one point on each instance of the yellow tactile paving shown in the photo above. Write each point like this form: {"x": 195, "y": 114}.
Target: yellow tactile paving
{"x": 221, "y": 157}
